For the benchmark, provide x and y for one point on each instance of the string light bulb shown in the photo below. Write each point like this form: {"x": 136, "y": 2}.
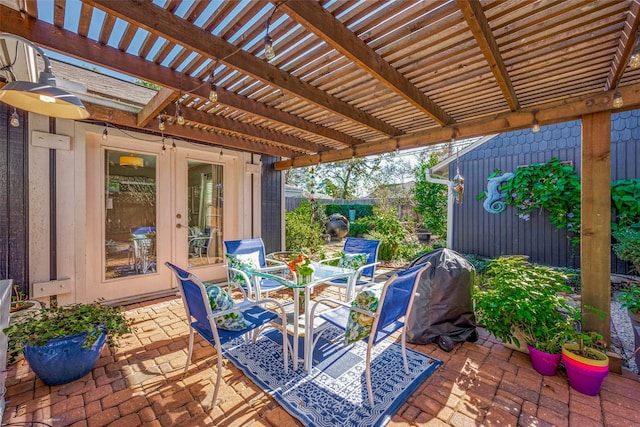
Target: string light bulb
{"x": 174, "y": 148}
{"x": 634, "y": 59}
{"x": 161, "y": 124}
{"x": 105, "y": 134}
{"x": 15, "y": 120}
{"x": 269, "y": 53}
{"x": 221, "y": 153}
{"x": 179, "y": 116}
{"x": 213, "y": 93}
{"x": 536, "y": 126}
{"x": 617, "y": 100}
{"x": 164, "y": 149}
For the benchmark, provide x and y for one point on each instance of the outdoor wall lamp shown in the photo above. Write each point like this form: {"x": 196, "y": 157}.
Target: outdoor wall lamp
{"x": 42, "y": 97}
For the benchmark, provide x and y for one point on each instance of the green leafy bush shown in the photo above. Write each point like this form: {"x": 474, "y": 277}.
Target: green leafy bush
{"x": 553, "y": 186}
{"x": 625, "y": 194}
{"x": 412, "y": 250}
{"x": 627, "y": 246}
{"x": 630, "y": 298}
{"x": 38, "y": 327}
{"x": 360, "y": 227}
{"x": 386, "y": 227}
{"x": 515, "y": 294}
{"x": 303, "y": 231}
{"x": 431, "y": 200}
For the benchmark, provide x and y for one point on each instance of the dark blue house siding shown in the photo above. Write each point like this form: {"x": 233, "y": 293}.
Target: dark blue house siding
{"x": 272, "y": 209}
{"x": 480, "y": 232}
{"x": 14, "y": 201}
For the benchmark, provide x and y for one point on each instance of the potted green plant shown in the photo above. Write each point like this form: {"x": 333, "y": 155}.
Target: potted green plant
{"x": 20, "y": 305}
{"x": 586, "y": 362}
{"x": 515, "y": 296}
{"x": 62, "y": 344}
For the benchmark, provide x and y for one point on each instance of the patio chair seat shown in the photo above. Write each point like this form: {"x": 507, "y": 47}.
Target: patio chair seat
{"x": 252, "y": 249}
{"x": 202, "y": 319}
{"x": 393, "y": 308}
{"x": 365, "y": 274}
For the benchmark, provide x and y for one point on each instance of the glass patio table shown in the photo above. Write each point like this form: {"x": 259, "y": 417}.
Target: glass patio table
{"x": 321, "y": 274}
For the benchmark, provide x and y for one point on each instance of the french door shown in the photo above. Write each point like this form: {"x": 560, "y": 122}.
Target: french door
{"x": 156, "y": 205}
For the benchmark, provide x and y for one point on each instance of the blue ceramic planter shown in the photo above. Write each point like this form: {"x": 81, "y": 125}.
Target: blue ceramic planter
{"x": 63, "y": 359}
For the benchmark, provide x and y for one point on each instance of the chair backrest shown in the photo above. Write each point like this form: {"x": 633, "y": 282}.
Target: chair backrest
{"x": 356, "y": 245}
{"x": 396, "y": 299}
{"x": 194, "y": 297}
{"x": 246, "y": 247}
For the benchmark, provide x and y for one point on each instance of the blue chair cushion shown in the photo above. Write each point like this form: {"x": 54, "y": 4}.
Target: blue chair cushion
{"x": 221, "y": 300}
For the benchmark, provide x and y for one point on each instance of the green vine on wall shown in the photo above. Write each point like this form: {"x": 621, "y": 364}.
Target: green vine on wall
{"x": 555, "y": 187}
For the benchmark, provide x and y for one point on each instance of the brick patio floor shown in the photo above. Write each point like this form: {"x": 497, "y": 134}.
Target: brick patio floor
{"x": 141, "y": 383}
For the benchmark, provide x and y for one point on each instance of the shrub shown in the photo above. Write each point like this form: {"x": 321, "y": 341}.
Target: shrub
{"x": 515, "y": 294}
{"x": 360, "y": 227}
{"x": 412, "y": 250}
{"x": 302, "y": 231}
{"x": 627, "y": 247}
{"x": 387, "y": 229}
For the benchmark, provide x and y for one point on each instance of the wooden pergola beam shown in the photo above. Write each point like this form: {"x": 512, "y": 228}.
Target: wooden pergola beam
{"x": 159, "y": 21}
{"x": 76, "y": 46}
{"x": 155, "y": 106}
{"x": 625, "y": 46}
{"x": 130, "y": 120}
{"x": 317, "y": 19}
{"x": 545, "y": 114}
{"x": 477, "y": 21}
{"x": 250, "y": 131}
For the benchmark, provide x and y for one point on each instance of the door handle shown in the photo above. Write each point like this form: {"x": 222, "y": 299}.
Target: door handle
{"x": 178, "y": 225}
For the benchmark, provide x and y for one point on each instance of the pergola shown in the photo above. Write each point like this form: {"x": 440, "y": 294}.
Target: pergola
{"x": 358, "y": 78}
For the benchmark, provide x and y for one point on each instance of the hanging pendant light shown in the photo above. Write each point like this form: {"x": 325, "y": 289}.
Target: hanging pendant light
{"x": 132, "y": 161}
{"x": 42, "y": 97}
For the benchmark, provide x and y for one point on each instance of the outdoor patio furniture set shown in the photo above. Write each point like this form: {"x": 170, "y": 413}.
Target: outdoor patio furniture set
{"x": 218, "y": 318}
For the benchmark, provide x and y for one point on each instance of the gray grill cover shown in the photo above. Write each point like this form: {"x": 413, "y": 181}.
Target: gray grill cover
{"x": 442, "y": 305}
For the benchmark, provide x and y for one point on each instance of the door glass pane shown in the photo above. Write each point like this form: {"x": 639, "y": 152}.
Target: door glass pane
{"x": 205, "y": 203}
{"x": 130, "y": 206}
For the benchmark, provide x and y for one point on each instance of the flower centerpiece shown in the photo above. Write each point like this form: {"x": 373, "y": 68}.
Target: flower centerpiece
{"x": 302, "y": 270}
{"x": 300, "y": 264}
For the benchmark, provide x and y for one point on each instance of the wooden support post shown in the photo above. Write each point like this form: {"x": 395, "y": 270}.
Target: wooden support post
{"x": 595, "y": 239}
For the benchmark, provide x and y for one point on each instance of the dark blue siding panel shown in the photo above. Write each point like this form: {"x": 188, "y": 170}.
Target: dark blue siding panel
{"x": 272, "y": 209}
{"x": 479, "y": 232}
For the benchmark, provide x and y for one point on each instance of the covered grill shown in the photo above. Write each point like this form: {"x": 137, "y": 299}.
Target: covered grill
{"x": 443, "y": 310}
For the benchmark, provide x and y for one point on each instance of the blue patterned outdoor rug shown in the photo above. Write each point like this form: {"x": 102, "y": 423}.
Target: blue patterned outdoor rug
{"x": 336, "y": 391}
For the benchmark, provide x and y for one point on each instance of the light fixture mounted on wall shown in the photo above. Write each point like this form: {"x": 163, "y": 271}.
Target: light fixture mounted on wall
{"x": 42, "y": 97}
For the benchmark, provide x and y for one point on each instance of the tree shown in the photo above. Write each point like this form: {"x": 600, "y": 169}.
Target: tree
{"x": 350, "y": 179}
{"x": 431, "y": 199}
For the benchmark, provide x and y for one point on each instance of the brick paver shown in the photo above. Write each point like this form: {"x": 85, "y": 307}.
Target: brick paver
{"x": 141, "y": 383}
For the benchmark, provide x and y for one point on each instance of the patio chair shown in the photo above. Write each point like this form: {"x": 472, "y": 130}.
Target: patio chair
{"x": 362, "y": 256}
{"x": 247, "y": 255}
{"x": 394, "y": 299}
{"x": 203, "y": 320}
